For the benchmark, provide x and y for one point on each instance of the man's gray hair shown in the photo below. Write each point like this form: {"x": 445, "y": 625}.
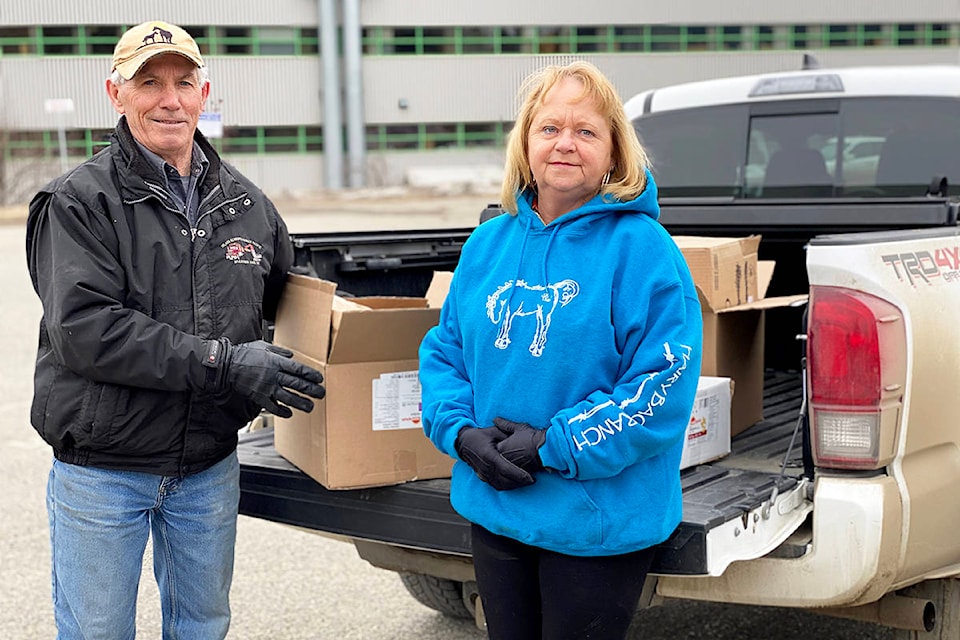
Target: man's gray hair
{"x": 203, "y": 76}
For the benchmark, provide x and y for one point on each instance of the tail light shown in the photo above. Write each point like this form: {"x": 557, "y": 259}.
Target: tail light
{"x": 856, "y": 359}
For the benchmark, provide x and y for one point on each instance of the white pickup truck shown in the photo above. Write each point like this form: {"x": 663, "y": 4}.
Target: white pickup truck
{"x": 844, "y": 499}
{"x": 880, "y": 513}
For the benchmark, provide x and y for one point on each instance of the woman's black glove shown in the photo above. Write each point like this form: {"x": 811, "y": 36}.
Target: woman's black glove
{"x": 478, "y": 448}
{"x": 265, "y": 374}
{"x": 522, "y": 444}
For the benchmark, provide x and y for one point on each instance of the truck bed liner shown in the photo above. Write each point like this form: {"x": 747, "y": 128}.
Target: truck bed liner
{"x": 418, "y": 514}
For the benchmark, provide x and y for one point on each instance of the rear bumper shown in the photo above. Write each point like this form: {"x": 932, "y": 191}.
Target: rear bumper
{"x": 852, "y": 558}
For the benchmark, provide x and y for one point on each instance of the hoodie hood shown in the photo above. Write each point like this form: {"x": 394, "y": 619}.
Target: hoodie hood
{"x": 600, "y": 204}
{"x": 578, "y": 221}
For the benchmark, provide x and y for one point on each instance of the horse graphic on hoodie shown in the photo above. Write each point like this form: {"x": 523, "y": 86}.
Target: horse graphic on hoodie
{"x": 539, "y": 301}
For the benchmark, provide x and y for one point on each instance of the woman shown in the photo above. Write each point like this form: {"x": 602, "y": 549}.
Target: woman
{"x": 563, "y": 370}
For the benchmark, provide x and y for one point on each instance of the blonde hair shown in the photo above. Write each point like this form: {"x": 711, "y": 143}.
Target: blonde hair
{"x": 628, "y": 177}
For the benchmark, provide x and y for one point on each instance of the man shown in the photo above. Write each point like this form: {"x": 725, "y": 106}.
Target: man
{"x": 156, "y": 264}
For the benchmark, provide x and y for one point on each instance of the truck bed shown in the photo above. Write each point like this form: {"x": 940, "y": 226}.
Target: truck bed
{"x": 418, "y": 514}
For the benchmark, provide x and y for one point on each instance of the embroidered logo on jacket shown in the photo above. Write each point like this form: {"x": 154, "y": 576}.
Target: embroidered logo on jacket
{"x": 243, "y": 251}
{"x": 522, "y": 300}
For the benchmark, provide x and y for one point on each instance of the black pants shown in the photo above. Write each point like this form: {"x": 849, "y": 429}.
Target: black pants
{"x": 532, "y": 594}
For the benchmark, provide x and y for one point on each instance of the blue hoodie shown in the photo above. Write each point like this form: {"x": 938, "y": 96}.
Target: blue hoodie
{"x": 590, "y": 328}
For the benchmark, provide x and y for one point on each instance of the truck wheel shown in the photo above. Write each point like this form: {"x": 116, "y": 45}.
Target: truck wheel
{"x": 449, "y": 597}
{"x": 945, "y": 594}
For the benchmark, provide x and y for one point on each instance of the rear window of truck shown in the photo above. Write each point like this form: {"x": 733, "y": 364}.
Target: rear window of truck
{"x": 857, "y": 147}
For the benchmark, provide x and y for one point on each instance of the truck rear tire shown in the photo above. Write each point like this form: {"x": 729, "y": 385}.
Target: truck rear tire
{"x": 449, "y": 597}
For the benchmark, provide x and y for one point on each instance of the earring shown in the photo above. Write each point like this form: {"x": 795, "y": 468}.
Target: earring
{"x": 606, "y": 179}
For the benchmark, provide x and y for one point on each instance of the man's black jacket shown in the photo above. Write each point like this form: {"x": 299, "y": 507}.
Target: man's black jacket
{"x": 131, "y": 295}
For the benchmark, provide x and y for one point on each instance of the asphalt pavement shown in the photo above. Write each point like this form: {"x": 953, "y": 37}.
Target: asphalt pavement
{"x": 289, "y": 584}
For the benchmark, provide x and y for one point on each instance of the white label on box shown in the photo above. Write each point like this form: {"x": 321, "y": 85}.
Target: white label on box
{"x": 396, "y": 401}
{"x": 708, "y": 430}
{"x": 704, "y": 419}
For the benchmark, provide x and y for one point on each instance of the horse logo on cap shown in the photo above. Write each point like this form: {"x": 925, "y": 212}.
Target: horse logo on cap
{"x": 151, "y": 38}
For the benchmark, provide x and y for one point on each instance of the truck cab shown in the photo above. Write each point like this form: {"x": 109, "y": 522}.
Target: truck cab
{"x": 876, "y": 132}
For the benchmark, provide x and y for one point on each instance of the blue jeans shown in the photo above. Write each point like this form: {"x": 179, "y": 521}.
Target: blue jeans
{"x": 99, "y": 524}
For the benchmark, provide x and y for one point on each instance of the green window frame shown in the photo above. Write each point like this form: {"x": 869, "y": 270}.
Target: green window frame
{"x": 243, "y": 40}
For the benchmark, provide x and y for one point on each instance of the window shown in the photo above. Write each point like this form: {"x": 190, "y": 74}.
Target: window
{"x": 281, "y": 139}
{"x": 800, "y": 39}
{"x": 404, "y": 41}
{"x": 696, "y": 152}
{"x": 241, "y": 140}
{"x": 277, "y": 41}
{"x": 786, "y": 156}
{"x": 101, "y": 39}
{"x": 515, "y": 40}
{"x": 767, "y": 37}
{"x": 60, "y": 40}
{"x": 309, "y": 42}
{"x": 896, "y": 146}
{"x": 17, "y": 41}
{"x": 940, "y": 35}
{"x": 841, "y": 35}
{"x": 591, "y": 39}
{"x": 484, "y": 134}
{"x": 235, "y": 41}
{"x": 864, "y": 147}
{"x": 732, "y": 38}
{"x": 492, "y": 39}
{"x": 554, "y": 40}
{"x": 630, "y": 38}
{"x": 665, "y": 38}
{"x": 907, "y": 35}
{"x": 874, "y": 35}
{"x": 478, "y": 40}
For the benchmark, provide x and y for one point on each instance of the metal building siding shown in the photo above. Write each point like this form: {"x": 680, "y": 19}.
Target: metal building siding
{"x": 485, "y": 88}
{"x": 26, "y": 83}
{"x": 703, "y": 12}
{"x": 266, "y": 91}
{"x": 280, "y": 174}
{"x": 182, "y": 12}
{"x": 282, "y": 91}
{"x": 489, "y": 12}
{"x": 275, "y": 91}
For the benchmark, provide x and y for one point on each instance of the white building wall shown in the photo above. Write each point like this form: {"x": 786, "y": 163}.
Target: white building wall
{"x": 485, "y": 88}
{"x": 281, "y": 175}
{"x": 286, "y": 91}
{"x": 575, "y": 12}
{"x": 181, "y": 12}
{"x": 275, "y": 91}
{"x": 487, "y": 12}
{"x": 248, "y": 91}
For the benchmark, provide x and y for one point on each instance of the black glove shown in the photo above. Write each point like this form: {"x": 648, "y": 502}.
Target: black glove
{"x": 265, "y": 373}
{"x": 522, "y": 444}
{"x": 478, "y": 448}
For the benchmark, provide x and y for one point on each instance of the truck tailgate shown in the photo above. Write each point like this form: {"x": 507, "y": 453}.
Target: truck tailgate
{"x": 724, "y": 515}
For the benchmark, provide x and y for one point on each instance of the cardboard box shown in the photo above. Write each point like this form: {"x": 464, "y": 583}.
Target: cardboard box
{"x": 708, "y": 430}
{"x": 367, "y": 431}
{"x": 725, "y": 271}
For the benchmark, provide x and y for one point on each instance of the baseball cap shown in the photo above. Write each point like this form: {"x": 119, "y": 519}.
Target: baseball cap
{"x": 148, "y": 39}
